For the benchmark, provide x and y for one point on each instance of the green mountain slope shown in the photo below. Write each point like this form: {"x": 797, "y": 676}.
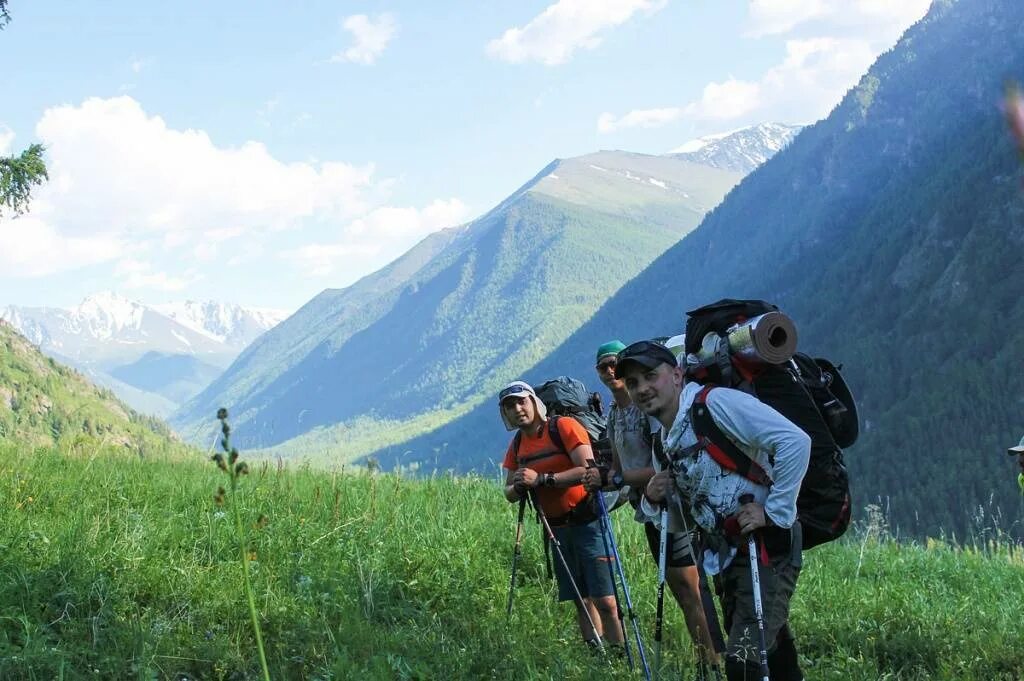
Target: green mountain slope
{"x": 43, "y": 404}
{"x": 892, "y": 233}
{"x": 441, "y": 329}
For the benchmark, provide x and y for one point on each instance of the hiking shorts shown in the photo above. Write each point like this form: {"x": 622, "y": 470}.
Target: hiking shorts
{"x": 778, "y": 582}
{"x": 583, "y": 548}
{"x": 678, "y": 547}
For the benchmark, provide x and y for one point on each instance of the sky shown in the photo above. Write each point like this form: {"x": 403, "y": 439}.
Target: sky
{"x": 258, "y": 152}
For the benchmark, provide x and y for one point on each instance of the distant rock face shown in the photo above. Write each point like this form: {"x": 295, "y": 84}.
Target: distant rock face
{"x": 740, "y": 150}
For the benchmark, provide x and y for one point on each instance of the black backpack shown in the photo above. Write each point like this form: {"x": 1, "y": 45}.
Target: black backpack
{"x": 810, "y": 392}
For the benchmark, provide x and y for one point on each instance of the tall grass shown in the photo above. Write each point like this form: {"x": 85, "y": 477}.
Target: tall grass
{"x": 120, "y": 568}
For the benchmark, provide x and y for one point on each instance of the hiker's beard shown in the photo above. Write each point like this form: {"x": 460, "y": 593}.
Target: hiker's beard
{"x": 652, "y": 402}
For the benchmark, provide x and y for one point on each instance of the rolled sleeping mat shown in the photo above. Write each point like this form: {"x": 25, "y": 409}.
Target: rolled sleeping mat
{"x": 769, "y": 338}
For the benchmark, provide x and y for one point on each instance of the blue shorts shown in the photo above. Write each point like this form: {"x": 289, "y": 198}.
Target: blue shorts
{"x": 584, "y": 549}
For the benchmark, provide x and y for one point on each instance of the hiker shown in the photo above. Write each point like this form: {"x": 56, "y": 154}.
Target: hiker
{"x": 709, "y": 494}
{"x": 1019, "y": 452}
{"x": 552, "y": 478}
{"x": 633, "y": 464}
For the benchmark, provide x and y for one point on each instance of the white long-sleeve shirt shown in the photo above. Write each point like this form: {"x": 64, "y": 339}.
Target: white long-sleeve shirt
{"x": 710, "y": 493}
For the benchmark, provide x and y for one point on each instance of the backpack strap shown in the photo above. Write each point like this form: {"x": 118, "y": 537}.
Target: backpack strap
{"x": 556, "y": 439}
{"x": 718, "y": 446}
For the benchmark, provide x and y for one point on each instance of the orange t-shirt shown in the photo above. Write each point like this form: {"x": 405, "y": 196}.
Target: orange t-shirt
{"x": 541, "y": 455}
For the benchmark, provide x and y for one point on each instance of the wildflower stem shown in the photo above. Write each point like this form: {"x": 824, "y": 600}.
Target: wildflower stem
{"x": 244, "y": 548}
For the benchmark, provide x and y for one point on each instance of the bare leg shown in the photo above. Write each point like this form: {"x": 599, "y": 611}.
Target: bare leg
{"x": 609, "y": 611}
{"x": 685, "y": 585}
{"x": 581, "y": 616}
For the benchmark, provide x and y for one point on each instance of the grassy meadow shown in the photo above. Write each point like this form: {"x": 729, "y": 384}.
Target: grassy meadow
{"x": 119, "y": 568}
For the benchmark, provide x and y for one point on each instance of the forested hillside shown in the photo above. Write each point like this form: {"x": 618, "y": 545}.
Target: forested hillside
{"x": 430, "y": 336}
{"x": 892, "y": 233}
{"x": 43, "y": 403}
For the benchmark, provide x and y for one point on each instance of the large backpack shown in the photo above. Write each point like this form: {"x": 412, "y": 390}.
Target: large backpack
{"x": 810, "y": 392}
{"x": 565, "y": 396}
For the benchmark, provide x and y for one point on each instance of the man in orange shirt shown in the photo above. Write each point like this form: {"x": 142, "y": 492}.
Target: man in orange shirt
{"x": 535, "y": 462}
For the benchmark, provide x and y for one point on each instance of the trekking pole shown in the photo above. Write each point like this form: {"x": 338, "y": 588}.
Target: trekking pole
{"x": 607, "y": 522}
{"x": 516, "y": 552}
{"x": 755, "y": 578}
{"x": 568, "y": 573}
{"x": 609, "y": 556}
{"x": 659, "y": 617}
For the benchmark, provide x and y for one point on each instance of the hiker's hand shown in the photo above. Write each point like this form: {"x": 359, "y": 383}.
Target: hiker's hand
{"x": 592, "y": 479}
{"x": 657, "y": 487}
{"x": 750, "y": 517}
{"x": 526, "y": 477}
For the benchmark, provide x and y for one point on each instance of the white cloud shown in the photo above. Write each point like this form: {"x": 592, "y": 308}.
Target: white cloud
{"x": 770, "y": 17}
{"x": 114, "y": 167}
{"x": 377, "y": 236}
{"x": 29, "y": 247}
{"x": 815, "y": 73}
{"x": 370, "y": 38}
{"x": 725, "y": 101}
{"x": 123, "y": 183}
{"x": 638, "y": 118}
{"x": 6, "y": 137}
{"x": 565, "y": 27}
{"x": 872, "y": 20}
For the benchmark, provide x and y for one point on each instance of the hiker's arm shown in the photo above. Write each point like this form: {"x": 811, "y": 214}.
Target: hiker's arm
{"x": 580, "y": 456}
{"x": 634, "y": 477}
{"x": 758, "y": 427}
{"x": 511, "y": 493}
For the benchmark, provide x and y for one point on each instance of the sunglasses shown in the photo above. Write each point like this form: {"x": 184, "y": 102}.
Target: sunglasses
{"x": 514, "y": 390}
{"x": 608, "y": 365}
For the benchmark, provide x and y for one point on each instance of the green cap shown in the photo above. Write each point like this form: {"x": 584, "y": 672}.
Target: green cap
{"x": 610, "y": 348}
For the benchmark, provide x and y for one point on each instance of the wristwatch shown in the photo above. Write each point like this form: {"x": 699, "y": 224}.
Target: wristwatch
{"x": 617, "y": 481}
{"x": 549, "y": 480}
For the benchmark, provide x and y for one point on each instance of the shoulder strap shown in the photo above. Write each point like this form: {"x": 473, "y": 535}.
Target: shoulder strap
{"x": 556, "y": 437}
{"x": 719, "y": 446}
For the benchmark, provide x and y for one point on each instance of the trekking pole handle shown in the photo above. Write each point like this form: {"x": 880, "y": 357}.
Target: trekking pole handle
{"x": 756, "y": 588}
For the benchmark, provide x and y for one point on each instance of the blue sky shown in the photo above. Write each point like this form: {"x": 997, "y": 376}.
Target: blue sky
{"x": 258, "y": 153}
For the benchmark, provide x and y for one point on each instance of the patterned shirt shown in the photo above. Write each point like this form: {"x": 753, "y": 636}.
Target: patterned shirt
{"x": 710, "y": 493}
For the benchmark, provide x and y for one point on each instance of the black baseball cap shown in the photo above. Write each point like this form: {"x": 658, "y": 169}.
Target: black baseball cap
{"x": 648, "y": 354}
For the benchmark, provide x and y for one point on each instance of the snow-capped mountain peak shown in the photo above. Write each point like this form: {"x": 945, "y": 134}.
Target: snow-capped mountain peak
{"x": 224, "y": 322}
{"x": 104, "y": 315}
{"x": 738, "y": 150}
{"x": 107, "y": 327}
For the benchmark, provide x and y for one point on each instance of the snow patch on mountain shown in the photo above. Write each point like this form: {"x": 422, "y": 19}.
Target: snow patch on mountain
{"x": 738, "y": 150}
{"x": 226, "y": 323}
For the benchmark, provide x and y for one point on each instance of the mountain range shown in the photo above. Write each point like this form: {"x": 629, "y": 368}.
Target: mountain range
{"x": 123, "y": 343}
{"x": 891, "y": 233}
{"x": 426, "y": 338}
